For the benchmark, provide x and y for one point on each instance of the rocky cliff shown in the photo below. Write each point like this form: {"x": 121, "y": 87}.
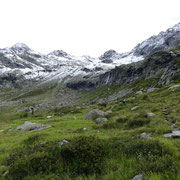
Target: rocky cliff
{"x": 162, "y": 65}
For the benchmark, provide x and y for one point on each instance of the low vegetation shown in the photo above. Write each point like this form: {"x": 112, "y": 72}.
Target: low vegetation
{"x": 112, "y": 150}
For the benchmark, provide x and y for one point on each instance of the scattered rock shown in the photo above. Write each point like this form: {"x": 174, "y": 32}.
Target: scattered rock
{"x": 150, "y": 114}
{"x": 94, "y": 114}
{"x": 5, "y": 174}
{"x": 78, "y": 107}
{"x": 145, "y": 136}
{"x": 74, "y": 118}
{"x": 139, "y": 176}
{"x": 28, "y": 126}
{"x": 48, "y": 117}
{"x": 107, "y": 113}
{"x": 175, "y": 86}
{"x": 134, "y": 108}
{"x": 101, "y": 120}
{"x": 149, "y": 90}
{"x": 174, "y": 134}
{"x": 139, "y": 92}
{"x": 63, "y": 142}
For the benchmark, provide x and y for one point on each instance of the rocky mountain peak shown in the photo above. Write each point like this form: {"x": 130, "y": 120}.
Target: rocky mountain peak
{"x": 20, "y": 47}
{"x": 59, "y": 53}
{"x": 108, "y": 54}
{"x": 164, "y": 40}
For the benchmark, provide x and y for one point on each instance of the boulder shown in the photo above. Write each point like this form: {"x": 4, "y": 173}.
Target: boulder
{"x": 74, "y": 118}
{"x": 175, "y": 86}
{"x": 94, "y": 114}
{"x": 1, "y": 131}
{"x": 145, "y": 136}
{"x": 101, "y": 120}
{"x": 139, "y": 176}
{"x": 48, "y": 117}
{"x": 107, "y": 113}
{"x": 63, "y": 142}
{"x": 84, "y": 129}
{"x": 139, "y": 92}
{"x": 149, "y": 90}
{"x": 149, "y": 115}
{"x": 134, "y": 108}
{"x": 174, "y": 134}
{"x": 29, "y": 126}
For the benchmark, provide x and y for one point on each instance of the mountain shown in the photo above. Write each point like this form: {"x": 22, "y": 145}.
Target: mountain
{"x": 21, "y": 66}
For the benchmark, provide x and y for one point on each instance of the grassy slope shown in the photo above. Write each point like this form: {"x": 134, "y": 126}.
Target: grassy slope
{"x": 123, "y": 124}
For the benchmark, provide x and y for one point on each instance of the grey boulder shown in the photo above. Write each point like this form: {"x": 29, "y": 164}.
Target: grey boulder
{"x": 29, "y": 126}
{"x": 139, "y": 176}
{"x": 174, "y": 134}
{"x": 101, "y": 120}
{"x": 94, "y": 114}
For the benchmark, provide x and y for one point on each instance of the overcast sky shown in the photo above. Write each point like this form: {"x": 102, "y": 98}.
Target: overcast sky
{"x": 84, "y": 27}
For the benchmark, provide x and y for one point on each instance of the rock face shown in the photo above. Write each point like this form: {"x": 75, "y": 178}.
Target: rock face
{"x": 94, "y": 114}
{"x": 28, "y": 126}
{"x": 164, "y": 40}
{"x": 82, "y": 85}
{"x": 161, "y": 62}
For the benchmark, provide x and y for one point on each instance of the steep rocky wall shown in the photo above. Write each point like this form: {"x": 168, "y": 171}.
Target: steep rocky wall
{"x": 162, "y": 61}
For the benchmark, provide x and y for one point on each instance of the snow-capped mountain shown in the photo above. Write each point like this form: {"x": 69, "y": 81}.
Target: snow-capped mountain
{"x": 164, "y": 40}
{"x": 20, "y": 65}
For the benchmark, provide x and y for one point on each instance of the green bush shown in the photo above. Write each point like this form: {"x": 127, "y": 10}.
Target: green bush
{"x": 152, "y": 156}
{"x": 137, "y": 122}
{"x": 146, "y": 147}
{"x": 121, "y": 120}
{"x": 34, "y": 160}
{"x": 110, "y": 125}
{"x": 24, "y": 115}
{"x": 84, "y": 155}
{"x": 145, "y": 97}
{"x": 158, "y": 164}
{"x": 32, "y": 140}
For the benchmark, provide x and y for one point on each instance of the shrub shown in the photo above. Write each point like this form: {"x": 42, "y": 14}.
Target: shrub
{"x": 32, "y": 140}
{"x": 121, "y": 120}
{"x": 33, "y": 160}
{"x": 152, "y": 156}
{"x": 24, "y": 115}
{"x": 84, "y": 155}
{"x": 145, "y": 97}
{"x": 110, "y": 125}
{"x": 146, "y": 147}
{"x": 133, "y": 123}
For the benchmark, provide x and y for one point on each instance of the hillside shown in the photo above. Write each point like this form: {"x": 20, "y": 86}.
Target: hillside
{"x": 113, "y": 117}
{"x": 131, "y": 142}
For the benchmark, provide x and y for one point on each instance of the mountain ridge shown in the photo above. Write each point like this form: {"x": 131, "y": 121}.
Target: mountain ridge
{"x": 20, "y": 65}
